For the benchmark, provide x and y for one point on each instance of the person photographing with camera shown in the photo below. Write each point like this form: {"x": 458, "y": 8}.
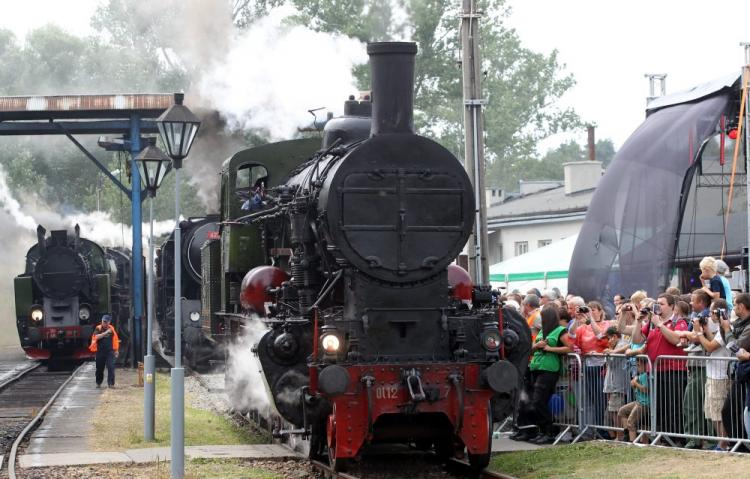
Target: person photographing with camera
{"x": 710, "y": 330}
{"x": 694, "y": 399}
{"x": 737, "y": 336}
{"x": 664, "y": 333}
{"x": 106, "y": 344}
{"x": 589, "y": 333}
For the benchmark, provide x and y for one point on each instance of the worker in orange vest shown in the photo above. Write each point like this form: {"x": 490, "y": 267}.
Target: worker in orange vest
{"x": 106, "y": 344}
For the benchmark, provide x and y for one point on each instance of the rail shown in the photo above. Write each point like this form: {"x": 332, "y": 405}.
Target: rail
{"x": 14, "y": 449}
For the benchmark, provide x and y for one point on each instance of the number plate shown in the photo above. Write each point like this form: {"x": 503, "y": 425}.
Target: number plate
{"x": 387, "y": 391}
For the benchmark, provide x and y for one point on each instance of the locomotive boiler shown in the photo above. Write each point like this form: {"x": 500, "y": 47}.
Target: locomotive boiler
{"x": 198, "y": 347}
{"x": 68, "y": 283}
{"x": 374, "y": 336}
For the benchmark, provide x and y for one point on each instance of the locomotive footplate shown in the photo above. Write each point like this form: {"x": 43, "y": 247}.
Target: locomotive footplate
{"x": 380, "y": 402}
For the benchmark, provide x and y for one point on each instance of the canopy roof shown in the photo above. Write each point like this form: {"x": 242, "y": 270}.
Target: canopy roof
{"x": 629, "y": 237}
{"x": 549, "y": 262}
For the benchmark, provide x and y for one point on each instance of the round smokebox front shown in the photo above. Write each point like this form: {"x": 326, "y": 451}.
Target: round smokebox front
{"x": 400, "y": 207}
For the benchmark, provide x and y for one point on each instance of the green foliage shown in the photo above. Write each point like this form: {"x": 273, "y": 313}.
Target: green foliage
{"x": 522, "y": 87}
{"x": 134, "y": 50}
{"x": 550, "y": 166}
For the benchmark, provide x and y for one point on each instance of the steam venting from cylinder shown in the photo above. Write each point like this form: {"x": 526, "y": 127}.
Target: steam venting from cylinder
{"x": 392, "y": 80}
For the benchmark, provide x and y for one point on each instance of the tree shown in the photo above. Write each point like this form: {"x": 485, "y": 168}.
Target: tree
{"x": 522, "y": 86}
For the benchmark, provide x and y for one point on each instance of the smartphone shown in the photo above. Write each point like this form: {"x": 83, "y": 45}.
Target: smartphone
{"x": 657, "y": 308}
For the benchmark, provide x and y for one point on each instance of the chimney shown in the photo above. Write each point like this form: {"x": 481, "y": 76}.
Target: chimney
{"x": 392, "y": 80}
{"x": 581, "y": 175}
{"x": 592, "y": 143}
{"x": 40, "y": 232}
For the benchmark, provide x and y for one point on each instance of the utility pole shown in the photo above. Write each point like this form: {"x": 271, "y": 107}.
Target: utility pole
{"x": 474, "y": 138}
{"x": 745, "y": 77}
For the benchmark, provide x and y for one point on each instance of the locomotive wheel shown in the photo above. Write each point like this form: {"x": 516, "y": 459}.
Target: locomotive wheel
{"x": 337, "y": 464}
{"x": 479, "y": 462}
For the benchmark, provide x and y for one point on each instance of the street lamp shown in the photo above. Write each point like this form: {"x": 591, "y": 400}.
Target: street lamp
{"x": 153, "y": 165}
{"x": 177, "y": 127}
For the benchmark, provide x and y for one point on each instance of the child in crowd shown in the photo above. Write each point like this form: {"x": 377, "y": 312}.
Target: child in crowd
{"x": 630, "y": 414}
{"x": 615, "y": 379}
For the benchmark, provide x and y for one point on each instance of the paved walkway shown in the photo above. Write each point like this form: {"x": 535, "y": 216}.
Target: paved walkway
{"x": 154, "y": 454}
{"x": 503, "y": 444}
{"x": 67, "y": 424}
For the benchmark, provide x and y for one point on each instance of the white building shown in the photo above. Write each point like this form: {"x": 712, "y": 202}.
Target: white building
{"x": 543, "y": 213}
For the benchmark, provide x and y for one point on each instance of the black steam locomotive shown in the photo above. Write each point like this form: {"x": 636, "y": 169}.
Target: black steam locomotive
{"x": 198, "y": 347}
{"x": 371, "y": 338}
{"x": 68, "y": 284}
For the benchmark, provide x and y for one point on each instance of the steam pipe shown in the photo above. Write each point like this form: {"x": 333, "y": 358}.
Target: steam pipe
{"x": 392, "y": 80}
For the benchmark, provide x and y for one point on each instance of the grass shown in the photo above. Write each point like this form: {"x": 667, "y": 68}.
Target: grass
{"x": 118, "y": 421}
{"x": 219, "y": 469}
{"x": 596, "y": 459}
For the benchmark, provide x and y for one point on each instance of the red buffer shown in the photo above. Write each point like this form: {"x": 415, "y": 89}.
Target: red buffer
{"x": 255, "y": 285}
{"x": 460, "y": 283}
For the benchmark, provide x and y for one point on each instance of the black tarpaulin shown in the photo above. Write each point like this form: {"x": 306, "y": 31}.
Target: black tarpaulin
{"x": 628, "y": 239}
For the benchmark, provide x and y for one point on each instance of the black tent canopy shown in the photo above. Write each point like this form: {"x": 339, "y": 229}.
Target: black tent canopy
{"x": 662, "y": 201}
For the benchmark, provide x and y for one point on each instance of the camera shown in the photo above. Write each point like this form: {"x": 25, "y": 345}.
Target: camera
{"x": 733, "y": 347}
{"x": 645, "y": 311}
{"x": 657, "y": 308}
{"x": 583, "y": 309}
{"x": 720, "y": 312}
{"x": 703, "y": 318}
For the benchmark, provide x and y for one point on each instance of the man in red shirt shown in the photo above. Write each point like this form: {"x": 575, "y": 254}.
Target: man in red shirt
{"x": 665, "y": 336}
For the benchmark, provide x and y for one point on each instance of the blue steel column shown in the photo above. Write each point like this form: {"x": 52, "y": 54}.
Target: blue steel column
{"x": 135, "y": 205}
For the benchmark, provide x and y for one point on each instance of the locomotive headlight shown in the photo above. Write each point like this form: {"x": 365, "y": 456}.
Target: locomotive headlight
{"x": 491, "y": 340}
{"x": 36, "y": 314}
{"x": 330, "y": 343}
{"x": 84, "y": 313}
{"x": 195, "y": 316}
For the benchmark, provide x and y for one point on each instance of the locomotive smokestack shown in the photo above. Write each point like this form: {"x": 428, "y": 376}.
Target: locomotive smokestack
{"x": 40, "y": 232}
{"x": 78, "y": 237}
{"x": 392, "y": 81}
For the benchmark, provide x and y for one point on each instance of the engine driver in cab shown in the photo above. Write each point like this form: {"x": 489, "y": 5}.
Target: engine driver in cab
{"x": 106, "y": 344}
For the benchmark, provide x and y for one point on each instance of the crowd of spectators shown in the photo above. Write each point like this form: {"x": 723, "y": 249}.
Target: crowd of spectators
{"x": 673, "y": 352}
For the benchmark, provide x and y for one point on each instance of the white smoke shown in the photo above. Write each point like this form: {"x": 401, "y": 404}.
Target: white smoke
{"x": 273, "y": 73}
{"x": 247, "y": 389}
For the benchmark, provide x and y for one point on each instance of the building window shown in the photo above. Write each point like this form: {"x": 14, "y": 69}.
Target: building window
{"x": 522, "y": 247}
{"x": 543, "y": 243}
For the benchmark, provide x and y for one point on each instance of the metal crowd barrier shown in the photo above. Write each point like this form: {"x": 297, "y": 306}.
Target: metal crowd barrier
{"x": 697, "y": 399}
{"x": 606, "y": 390}
{"x": 689, "y": 399}
{"x": 567, "y": 408}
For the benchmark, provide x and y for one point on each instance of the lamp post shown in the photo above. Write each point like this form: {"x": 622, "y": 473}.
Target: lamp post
{"x": 153, "y": 166}
{"x": 177, "y": 127}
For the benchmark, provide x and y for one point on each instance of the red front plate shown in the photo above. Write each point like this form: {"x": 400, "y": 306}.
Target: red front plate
{"x": 349, "y": 421}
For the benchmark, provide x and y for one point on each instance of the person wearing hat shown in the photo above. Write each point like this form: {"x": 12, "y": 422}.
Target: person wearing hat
{"x": 106, "y": 344}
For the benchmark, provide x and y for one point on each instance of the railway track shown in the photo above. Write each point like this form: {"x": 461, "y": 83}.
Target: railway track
{"x": 454, "y": 468}
{"x": 24, "y": 399}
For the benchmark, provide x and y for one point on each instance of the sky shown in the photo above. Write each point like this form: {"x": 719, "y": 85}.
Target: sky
{"x": 608, "y": 46}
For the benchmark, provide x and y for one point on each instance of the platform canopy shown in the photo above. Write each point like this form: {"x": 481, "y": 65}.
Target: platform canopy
{"x": 81, "y": 114}
{"x": 542, "y": 268}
